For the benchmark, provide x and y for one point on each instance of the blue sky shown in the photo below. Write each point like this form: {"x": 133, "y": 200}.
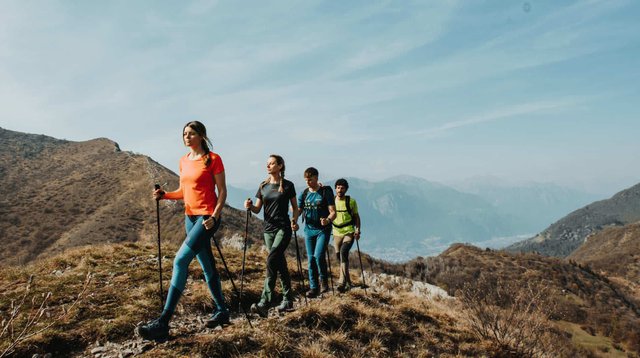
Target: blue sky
{"x": 543, "y": 91}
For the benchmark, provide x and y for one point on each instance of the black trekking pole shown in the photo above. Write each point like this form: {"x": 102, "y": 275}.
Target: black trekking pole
{"x": 235, "y": 289}
{"x": 244, "y": 255}
{"x": 364, "y": 283}
{"x": 330, "y": 273}
{"x": 304, "y": 285}
{"x": 157, "y": 187}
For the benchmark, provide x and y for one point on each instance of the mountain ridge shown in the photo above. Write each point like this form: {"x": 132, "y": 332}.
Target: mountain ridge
{"x": 58, "y": 194}
{"x": 567, "y": 234}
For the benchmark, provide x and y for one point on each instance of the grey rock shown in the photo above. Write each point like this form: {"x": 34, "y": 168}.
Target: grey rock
{"x": 97, "y": 350}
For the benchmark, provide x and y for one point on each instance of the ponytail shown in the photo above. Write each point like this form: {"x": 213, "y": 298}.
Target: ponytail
{"x": 206, "y": 158}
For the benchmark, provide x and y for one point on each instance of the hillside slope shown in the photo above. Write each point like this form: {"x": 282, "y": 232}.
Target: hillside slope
{"x": 58, "y": 194}
{"x": 615, "y": 252}
{"x": 577, "y": 294}
{"x": 567, "y": 234}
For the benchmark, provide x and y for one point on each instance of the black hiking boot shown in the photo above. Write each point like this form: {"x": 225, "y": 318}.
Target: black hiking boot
{"x": 313, "y": 293}
{"x": 285, "y": 305}
{"x": 343, "y": 287}
{"x": 261, "y": 308}
{"x": 324, "y": 286}
{"x": 155, "y": 330}
{"x": 218, "y": 318}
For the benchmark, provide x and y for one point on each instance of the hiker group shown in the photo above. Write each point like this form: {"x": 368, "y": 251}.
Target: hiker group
{"x": 323, "y": 213}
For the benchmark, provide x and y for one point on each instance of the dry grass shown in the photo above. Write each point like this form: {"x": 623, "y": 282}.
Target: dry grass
{"x": 124, "y": 293}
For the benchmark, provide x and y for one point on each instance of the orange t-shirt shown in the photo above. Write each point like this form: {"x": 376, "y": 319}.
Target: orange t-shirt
{"x": 197, "y": 185}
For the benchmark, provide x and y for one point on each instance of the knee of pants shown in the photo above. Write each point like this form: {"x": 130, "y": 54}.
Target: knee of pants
{"x": 209, "y": 276}
{"x": 272, "y": 259}
{"x": 344, "y": 253}
{"x": 181, "y": 263}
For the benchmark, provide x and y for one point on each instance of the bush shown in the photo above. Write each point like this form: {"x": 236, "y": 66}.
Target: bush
{"x": 514, "y": 319}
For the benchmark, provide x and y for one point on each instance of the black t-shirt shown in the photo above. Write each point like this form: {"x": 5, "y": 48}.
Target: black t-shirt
{"x": 276, "y": 205}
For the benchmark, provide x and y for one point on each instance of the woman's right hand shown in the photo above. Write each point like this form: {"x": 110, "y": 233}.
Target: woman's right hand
{"x": 158, "y": 194}
{"x": 248, "y": 204}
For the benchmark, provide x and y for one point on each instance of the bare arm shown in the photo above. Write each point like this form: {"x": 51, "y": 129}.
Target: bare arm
{"x": 221, "y": 184}
{"x": 296, "y": 213}
{"x": 332, "y": 212}
{"x": 294, "y": 209}
{"x": 329, "y": 219}
{"x": 356, "y": 218}
{"x": 248, "y": 204}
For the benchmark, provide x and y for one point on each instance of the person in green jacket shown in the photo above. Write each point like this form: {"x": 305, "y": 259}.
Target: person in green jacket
{"x": 346, "y": 229}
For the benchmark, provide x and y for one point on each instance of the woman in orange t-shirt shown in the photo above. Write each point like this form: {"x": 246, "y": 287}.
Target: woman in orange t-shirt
{"x": 201, "y": 172}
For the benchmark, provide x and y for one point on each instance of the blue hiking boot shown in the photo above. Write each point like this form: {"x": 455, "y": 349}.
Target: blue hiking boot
{"x": 218, "y": 318}
{"x": 155, "y": 330}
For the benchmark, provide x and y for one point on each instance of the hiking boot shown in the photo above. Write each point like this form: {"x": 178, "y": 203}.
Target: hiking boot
{"x": 154, "y": 330}
{"x": 218, "y": 318}
{"x": 261, "y": 308}
{"x": 324, "y": 286}
{"x": 343, "y": 287}
{"x": 313, "y": 293}
{"x": 285, "y": 305}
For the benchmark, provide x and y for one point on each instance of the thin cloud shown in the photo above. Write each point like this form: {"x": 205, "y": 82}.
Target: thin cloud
{"x": 510, "y": 112}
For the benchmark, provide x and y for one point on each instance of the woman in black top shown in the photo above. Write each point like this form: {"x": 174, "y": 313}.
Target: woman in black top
{"x": 276, "y": 193}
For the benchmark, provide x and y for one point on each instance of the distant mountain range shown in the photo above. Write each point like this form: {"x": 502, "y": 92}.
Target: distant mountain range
{"x": 406, "y": 216}
{"x": 567, "y": 234}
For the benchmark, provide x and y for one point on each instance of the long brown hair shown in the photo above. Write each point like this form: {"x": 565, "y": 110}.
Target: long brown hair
{"x": 202, "y": 132}
{"x": 279, "y": 161}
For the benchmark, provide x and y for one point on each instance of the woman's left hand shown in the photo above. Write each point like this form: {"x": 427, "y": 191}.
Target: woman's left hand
{"x": 209, "y": 223}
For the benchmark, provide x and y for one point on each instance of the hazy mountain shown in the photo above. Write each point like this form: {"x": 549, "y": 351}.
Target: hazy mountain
{"x": 57, "y": 194}
{"x": 236, "y": 196}
{"x": 407, "y": 216}
{"x": 566, "y": 235}
{"x": 535, "y": 204}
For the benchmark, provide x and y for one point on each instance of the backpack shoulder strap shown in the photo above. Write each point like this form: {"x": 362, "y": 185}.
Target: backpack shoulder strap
{"x": 348, "y": 204}
{"x": 304, "y": 197}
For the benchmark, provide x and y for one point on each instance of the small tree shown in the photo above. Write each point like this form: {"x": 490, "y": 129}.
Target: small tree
{"x": 514, "y": 317}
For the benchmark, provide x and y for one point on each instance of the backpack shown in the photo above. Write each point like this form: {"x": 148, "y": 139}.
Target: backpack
{"x": 321, "y": 191}
{"x": 347, "y": 199}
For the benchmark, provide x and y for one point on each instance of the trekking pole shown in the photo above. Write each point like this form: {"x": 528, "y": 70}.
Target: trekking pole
{"x": 244, "y": 255}
{"x": 235, "y": 289}
{"x": 304, "y": 285}
{"x": 330, "y": 273}
{"x": 157, "y": 187}
{"x": 364, "y": 283}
